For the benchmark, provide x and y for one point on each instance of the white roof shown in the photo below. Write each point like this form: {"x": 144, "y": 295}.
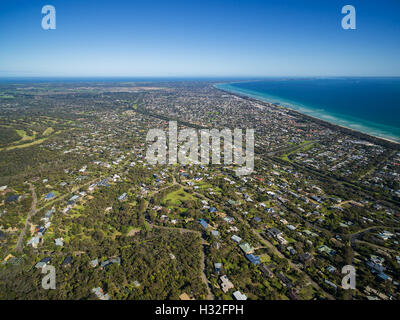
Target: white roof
{"x": 239, "y": 296}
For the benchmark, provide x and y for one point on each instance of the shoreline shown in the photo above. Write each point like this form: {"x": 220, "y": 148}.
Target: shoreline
{"x": 367, "y": 136}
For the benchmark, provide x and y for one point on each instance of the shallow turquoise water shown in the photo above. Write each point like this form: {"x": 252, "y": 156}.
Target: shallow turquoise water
{"x": 370, "y": 105}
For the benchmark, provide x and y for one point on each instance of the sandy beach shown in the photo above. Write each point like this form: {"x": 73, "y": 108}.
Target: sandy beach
{"x": 341, "y": 127}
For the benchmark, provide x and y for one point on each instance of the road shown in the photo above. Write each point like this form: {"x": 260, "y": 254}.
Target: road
{"x": 31, "y": 213}
{"x": 353, "y": 236}
{"x": 280, "y": 255}
{"x": 210, "y": 296}
{"x": 276, "y": 251}
{"x": 34, "y": 210}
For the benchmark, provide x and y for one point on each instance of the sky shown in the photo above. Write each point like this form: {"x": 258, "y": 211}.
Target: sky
{"x": 217, "y": 38}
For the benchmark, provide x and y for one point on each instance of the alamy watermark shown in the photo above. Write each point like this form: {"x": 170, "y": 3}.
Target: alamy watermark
{"x": 49, "y": 20}
{"x": 49, "y": 280}
{"x": 349, "y": 20}
{"x": 349, "y": 280}
{"x": 190, "y": 151}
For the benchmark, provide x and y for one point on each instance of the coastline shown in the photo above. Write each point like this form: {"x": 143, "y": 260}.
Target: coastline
{"x": 366, "y": 135}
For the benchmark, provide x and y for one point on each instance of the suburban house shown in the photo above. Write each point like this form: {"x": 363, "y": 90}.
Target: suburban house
{"x": 100, "y": 293}
{"x": 239, "y": 296}
{"x": 236, "y": 238}
{"x": 226, "y": 284}
{"x": 203, "y": 223}
{"x": 253, "y": 259}
{"x": 246, "y": 248}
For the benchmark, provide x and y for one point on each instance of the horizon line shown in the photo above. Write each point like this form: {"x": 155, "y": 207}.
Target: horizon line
{"x": 197, "y": 77}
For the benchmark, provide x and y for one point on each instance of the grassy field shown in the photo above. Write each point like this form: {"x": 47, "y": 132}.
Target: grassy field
{"x": 307, "y": 292}
{"x": 265, "y": 258}
{"x": 25, "y": 145}
{"x": 48, "y": 131}
{"x": 205, "y": 186}
{"x": 175, "y": 198}
{"x": 301, "y": 148}
{"x": 24, "y": 136}
{"x": 6, "y": 96}
{"x": 39, "y": 141}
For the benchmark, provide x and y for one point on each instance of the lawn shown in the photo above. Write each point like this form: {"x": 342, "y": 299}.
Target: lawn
{"x": 6, "y": 96}
{"x": 175, "y": 198}
{"x": 301, "y": 148}
{"x": 24, "y": 136}
{"x": 19, "y": 146}
{"x": 307, "y": 292}
{"x": 265, "y": 258}
{"x": 48, "y": 131}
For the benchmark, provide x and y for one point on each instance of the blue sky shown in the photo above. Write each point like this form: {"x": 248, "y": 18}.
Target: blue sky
{"x": 199, "y": 38}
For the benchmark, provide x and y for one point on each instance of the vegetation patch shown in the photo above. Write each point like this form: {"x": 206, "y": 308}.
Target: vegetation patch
{"x": 176, "y": 198}
{"x": 48, "y": 131}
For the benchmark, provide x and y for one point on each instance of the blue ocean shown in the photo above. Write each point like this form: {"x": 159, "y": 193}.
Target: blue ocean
{"x": 369, "y": 105}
